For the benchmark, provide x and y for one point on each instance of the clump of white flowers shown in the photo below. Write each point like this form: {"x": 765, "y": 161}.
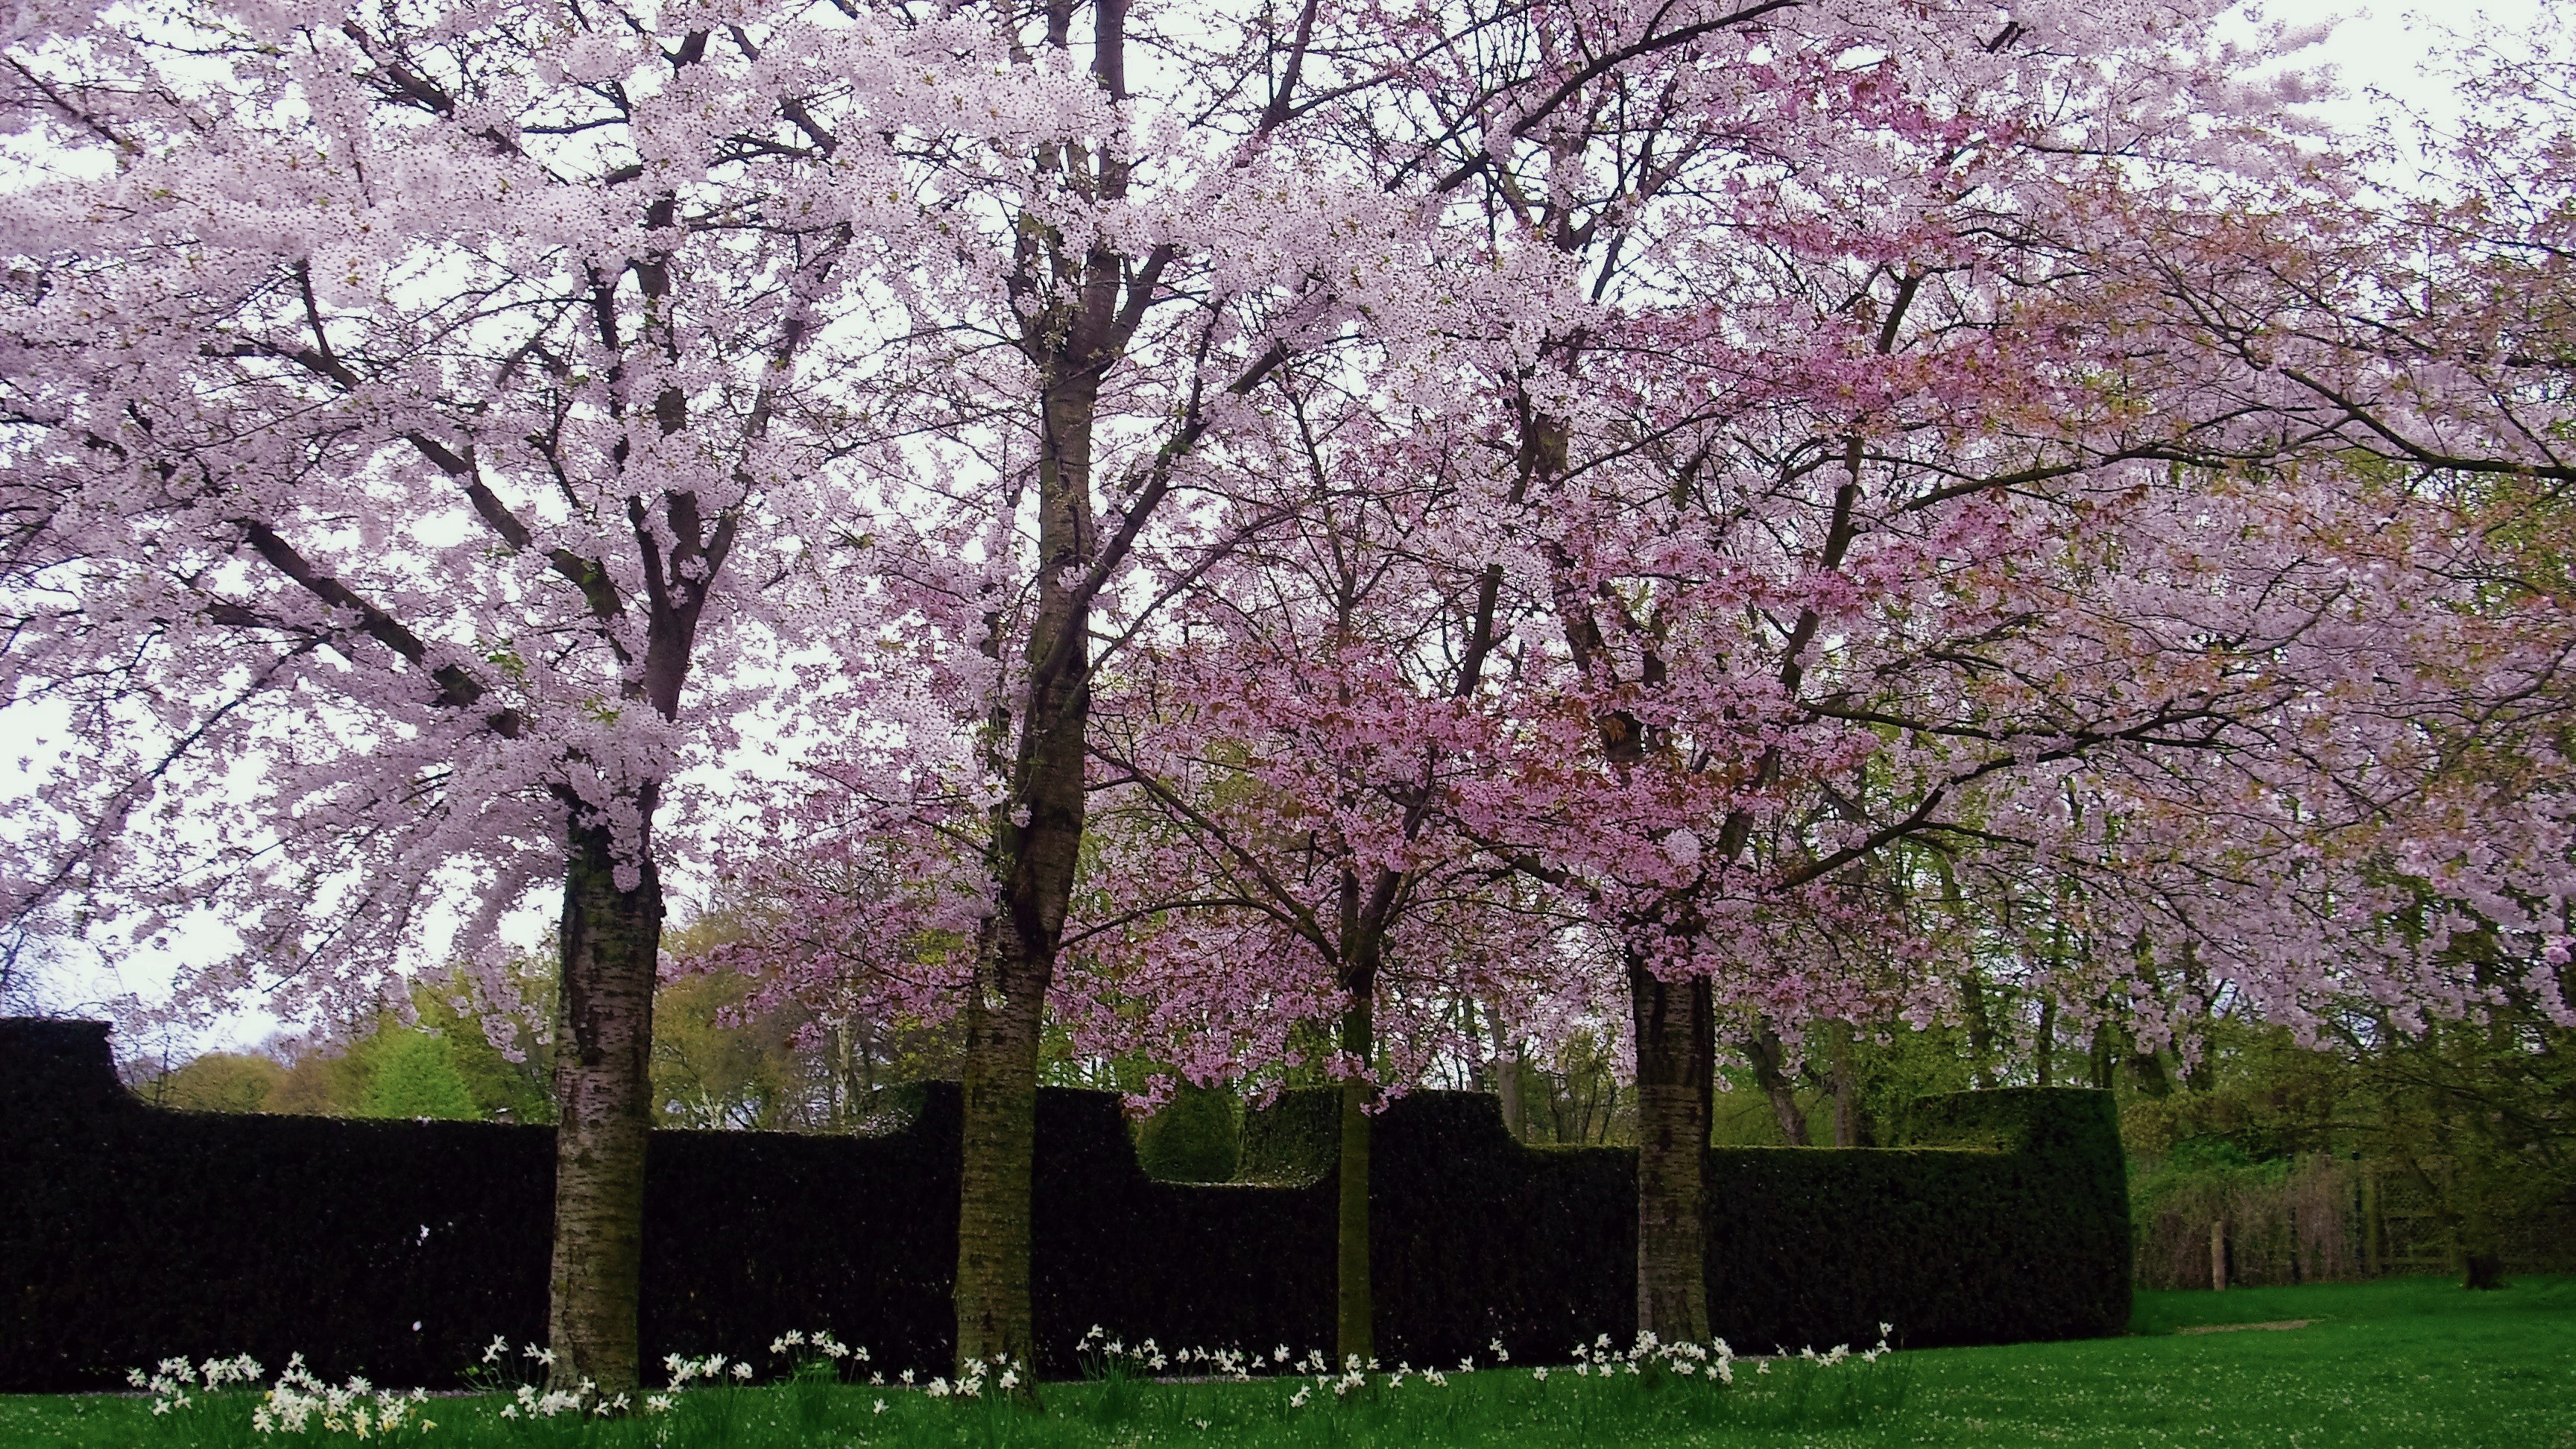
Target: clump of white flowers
{"x": 1106, "y": 1357}
{"x": 715, "y": 1368}
{"x": 300, "y": 1402}
{"x": 1001, "y": 1372}
{"x": 1113, "y": 1356}
{"x": 174, "y": 1382}
{"x": 1646, "y": 1358}
{"x": 1650, "y": 1354}
{"x": 818, "y": 1345}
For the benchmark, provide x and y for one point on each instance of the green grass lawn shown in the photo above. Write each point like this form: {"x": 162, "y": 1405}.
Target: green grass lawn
{"x": 2414, "y": 1362}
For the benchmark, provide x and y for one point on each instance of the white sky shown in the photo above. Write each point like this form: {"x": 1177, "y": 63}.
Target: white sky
{"x": 2381, "y": 46}
{"x": 2375, "y": 48}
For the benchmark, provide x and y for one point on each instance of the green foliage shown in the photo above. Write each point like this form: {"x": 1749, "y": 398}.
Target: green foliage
{"x": 1582, "y": 1097}
{"x": 2473, "y": 1122}
{"x": 415, "y": 1076}
{"x": 2262, "y": 1094}
{"x": 1888, "y": 1070}
{"x": 1197, "y": 1137}
{"x": 1296, "y": 1139}
{"x": 2481, "y": 1116}
{"x": 715, "y": 1065}
{"x": 334, "y": 1072}
{"x": 219, "y": 1082}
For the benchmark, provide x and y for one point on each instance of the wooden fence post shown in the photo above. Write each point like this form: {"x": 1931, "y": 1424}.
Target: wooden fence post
{"x": 2218, "y": 1254}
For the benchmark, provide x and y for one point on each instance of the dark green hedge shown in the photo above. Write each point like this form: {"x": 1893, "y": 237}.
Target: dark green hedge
{"x": 2007, "y": 1221}
{"x": 1195, "y": 1138}
{"x": 128, "y": 1234}
{"x": 2022, "y": 1235}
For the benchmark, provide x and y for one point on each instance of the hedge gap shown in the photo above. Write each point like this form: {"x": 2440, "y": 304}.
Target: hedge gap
{"x": 398, "y": 1249}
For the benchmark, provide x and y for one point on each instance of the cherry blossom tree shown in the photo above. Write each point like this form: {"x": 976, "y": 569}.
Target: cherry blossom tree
{"x": 1288, "y": 756}
{"x": 1086, "y": 335}
{"x": 1877, "y": 505}
{"x": 409, "y": 408}
{"x": 1804, "y": 379}
{"x": 1697, "y": 466}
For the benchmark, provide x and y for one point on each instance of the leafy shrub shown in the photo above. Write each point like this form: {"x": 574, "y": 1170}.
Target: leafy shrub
{"x": 1195, "y": 1138}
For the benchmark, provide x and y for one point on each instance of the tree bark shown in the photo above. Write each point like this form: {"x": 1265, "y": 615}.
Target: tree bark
{"x": 994, "y": 1221}
{"x": 2044, "y": 1048}
{"x": 611, "y": 941}
{"x": 2147, "y": 1069}
{"x": 1036, "y": 839}
{"x": 1849, "y": 1129}
{"x": 1508, "y": 1068}
{"x": 1981, "y": 1031}
{"x": 1767, "y": 1056}
{"x": 1676, "y": 1034}
{"x": 1037, "y": 842}
{"x": 1354, "y": 1300}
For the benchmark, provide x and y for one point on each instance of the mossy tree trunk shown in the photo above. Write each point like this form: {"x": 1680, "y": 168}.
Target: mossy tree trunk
{"x": 611, "y": 939}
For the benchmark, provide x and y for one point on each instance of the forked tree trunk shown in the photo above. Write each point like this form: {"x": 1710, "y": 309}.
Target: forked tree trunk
{"x": 1354, "y": 1303}
{"x": 1676, "y": 1027}
{"x": 611, "y": 941}
{"x": 1770, "y": 1073}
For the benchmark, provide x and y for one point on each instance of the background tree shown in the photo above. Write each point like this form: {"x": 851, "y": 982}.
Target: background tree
{"x": 414, "y": 1077}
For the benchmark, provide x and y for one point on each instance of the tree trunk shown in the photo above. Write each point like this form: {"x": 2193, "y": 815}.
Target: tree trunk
{"x": 2044, "y": 1050}
{"x": 994, "y": 1222}
{"x": 611, "y": 943}
{"x": 1036, "y": 844}
{"x": 1354, "y": 1301}
{"x": 2147, "y": 1069}
{"x": 1676, "y": 1033}
{"x": 1849, "y": 1130}
{"x": 1507, "y": 1074}
{"x": 1034, "y": 869}
{"x": 1981, "y": 1031}
{"x": 1767, "y": 1055}
{"x": 2481, "y": 1252}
